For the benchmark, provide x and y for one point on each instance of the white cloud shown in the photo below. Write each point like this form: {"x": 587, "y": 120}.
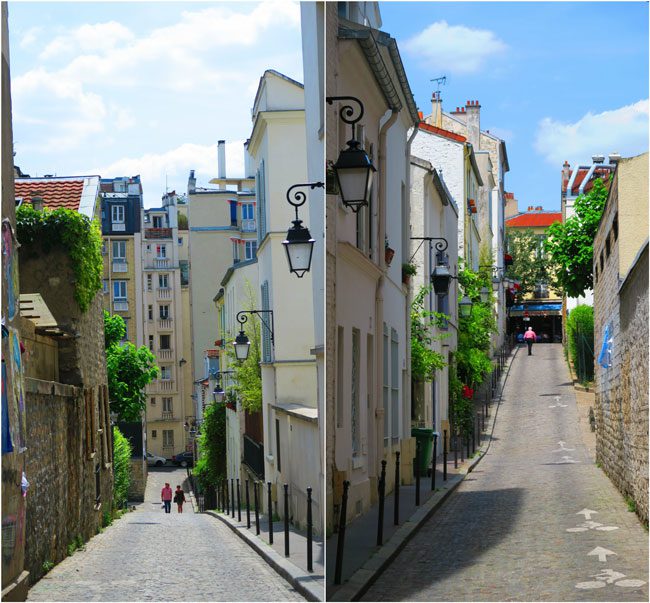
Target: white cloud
{"x": 173, "y": 166}
{"x": 101, "y": 37}
{"x": 30, "y": 36}
{"x": 455, "y": 48}
{"x": 623, "y": 130}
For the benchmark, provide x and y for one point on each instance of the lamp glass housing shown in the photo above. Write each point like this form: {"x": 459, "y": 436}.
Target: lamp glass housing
{"x": 242, "y": 346}
{"x": 465, "y": 306}
{"x": 441, "y": 278}
{"x": 299, "y": 246}
{"x": 485, "y": 294}
{"x": 354, "y": 173}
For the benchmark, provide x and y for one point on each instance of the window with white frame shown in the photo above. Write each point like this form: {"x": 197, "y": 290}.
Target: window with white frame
{"x": 235, "y": 252}
{"x": 250, "y": 249}
{"x": 161, "y": 252}
{"x": 247, "y": 211}
{"x": 105, "y": 285}
{"x": 165, "y": 373}
{"x": 167, "y": 405}
{"x": 168, "y": 438}
{"x": 119, "y": 251}
{"x": 163, "y": 281}
{"x": 117, "y": 214}
{"x": 394, "y": 384}
{"x": 164, "y": 312}
{"x": 150, "y": 312}
{"x": 119, "y": 290}
{"x": 157, "y": 221}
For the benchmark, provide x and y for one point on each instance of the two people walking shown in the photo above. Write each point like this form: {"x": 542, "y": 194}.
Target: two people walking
{"x": 530, "y": 338}
{"x": 167, "y": 495}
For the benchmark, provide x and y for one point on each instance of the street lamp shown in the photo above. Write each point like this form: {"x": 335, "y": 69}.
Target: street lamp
{"x": 440, "y": 277}
{"x": 242, "y": 343}
{"x": 354, "y": 170}
{"x": 299, "y": 245}
{"x": 465, "y": 306}
{"x": 218, "y": 393}
{"x": 485, "y": 294}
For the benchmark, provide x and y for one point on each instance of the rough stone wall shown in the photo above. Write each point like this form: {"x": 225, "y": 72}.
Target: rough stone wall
{"x": 138, "y": 483}
{"x": 61, "y": 501}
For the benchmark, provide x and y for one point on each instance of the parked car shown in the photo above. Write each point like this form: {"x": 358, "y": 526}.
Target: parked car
{"x": 157, "y": 461}
{"x": 184, "y": 459}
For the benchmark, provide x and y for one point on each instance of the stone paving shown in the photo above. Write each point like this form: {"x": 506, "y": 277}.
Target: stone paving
{"x": 536, "y": 520}
{"x": 148, "y": 555}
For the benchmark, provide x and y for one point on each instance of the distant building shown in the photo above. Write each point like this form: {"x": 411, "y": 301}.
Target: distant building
{"x": 621, "y": 332}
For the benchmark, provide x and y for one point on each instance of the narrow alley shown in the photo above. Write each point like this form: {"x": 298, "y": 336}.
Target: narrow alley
{"x": 536, "y": 520}
{"x": 150, "y": 556}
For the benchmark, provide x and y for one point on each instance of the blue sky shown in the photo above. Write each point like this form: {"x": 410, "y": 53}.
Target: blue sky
{"x": 556, "y": 80}
{"x": 124, "y": 88}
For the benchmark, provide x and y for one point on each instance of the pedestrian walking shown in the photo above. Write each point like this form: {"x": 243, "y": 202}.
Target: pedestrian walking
{"x": 166, "y": 495}
{"x": 179, "y": 498}
{"x": 530, "y": 338}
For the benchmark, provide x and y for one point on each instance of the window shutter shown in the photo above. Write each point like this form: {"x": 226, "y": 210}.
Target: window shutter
{"x": 266, "y": 334}
{"x": 261, "y": 202}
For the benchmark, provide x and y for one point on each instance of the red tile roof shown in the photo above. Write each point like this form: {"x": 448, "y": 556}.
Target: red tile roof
{"x": 56, "y": 192}
{"x": 445, "y": 133}
{"x": 600, "y": 172}
{"x": 534, "y": 219}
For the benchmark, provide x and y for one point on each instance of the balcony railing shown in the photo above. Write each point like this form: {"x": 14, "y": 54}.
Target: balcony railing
{"x": 161, "y": 262}
{"x": 157, "y": 233}
{"x": 120, "y": 306}
{"x": 120, "y": 266}
{"x": 254, "y": 456}
{"x": 165, "y": 385}
{"x": 118, "y": 227}
{"x": 165, "y": 354}
{"x": 168, "y": 415}
{"x": 165, "y": 293}
{"x": 165, "y": 324}
{"x": 248, "y": 226}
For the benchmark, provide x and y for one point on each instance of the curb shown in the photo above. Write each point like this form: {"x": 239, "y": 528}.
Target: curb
{"x": 309, "y": 587}
{"x": 367, "y": 574}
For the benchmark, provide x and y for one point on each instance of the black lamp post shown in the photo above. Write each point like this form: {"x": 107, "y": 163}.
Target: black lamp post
{"x": 218, "y": 393}
{"x": 498, "y": 272}
{"x": 440, "y": 276}
{"x": 354, "y": 170}
{"x": 465, "y": 306}
{"x": 299, "y": 245}
{"x": 485, "y": 294}
{"x": 242, "y": 342}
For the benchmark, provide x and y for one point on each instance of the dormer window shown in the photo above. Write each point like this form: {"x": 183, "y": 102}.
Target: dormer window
{"x": 117, "y": 214}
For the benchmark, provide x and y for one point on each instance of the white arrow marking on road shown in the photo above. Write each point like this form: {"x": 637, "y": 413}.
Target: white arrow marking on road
{"x": 565, "y": 459}
{"x": 587, "y": 513}
{"x": 601, "y": 553}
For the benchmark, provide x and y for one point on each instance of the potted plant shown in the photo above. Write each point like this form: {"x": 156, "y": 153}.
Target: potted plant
{"x": 408, "y": 270}
{"x": 389, "y": 252}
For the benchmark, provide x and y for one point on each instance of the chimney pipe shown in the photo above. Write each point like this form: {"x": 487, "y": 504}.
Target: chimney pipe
{"x": 614, "y": 158}
{"x": 191, "y": 183}
{"x": 221, "y": 158}
{"x": 598, "y": 158}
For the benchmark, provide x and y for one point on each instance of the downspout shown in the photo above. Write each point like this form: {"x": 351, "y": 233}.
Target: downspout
{"x": 379, "y": 291}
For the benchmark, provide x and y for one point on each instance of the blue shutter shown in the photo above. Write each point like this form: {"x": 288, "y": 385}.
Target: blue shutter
{"x": 261, "y": 203}
{"x": 266, "y": 333}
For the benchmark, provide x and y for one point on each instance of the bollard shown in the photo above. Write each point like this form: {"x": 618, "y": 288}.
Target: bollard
{"x": 478, "y": 431}
{"x": 455, "y": 448}
{"x": 417, "y": 473}
{"x": 467, "y": 444}
{"x": 286, "y": 520}
{"x": 310, "y": 527}
{"x": 462, "y": 448}
{"x": 382, "y": 493}
{"x": 396, "y": 491}
{"x": 341, "y": 539}
{"x": 257, "y": 509}
{"x": 473, "y": 434}
{"x": 248, "y": 508}
{"x": 433, "y": 462}
{"x": 270, "y": 510}
{"x": 444, "y": 455}
{"x": 238, "y": 502}
{"x": 232, "y": 497}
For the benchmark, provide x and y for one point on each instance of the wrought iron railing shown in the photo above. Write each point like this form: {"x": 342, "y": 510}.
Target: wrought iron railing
{"x": 254, "y": 456}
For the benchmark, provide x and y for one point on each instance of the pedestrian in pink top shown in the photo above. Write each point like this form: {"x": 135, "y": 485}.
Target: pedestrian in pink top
{"x": 166, "y": 495}
{"x": 530, "y": 338}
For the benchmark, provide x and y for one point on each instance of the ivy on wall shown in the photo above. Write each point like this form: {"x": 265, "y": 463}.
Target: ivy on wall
{"x": 77, "y": 234}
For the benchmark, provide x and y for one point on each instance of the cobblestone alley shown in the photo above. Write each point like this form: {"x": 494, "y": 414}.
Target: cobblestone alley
{"x": 536, "y": 520}
{"x": 150, "y": 556}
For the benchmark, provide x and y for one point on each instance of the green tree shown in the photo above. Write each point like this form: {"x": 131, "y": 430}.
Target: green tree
{"x": 529, "y": 264}
{"x": 130, "y": 370}
{"x": 424, "y": 360}
{"x": 210, "y": 468}
{"x": 121, "y": 467}
{"x": 570, "y": 244}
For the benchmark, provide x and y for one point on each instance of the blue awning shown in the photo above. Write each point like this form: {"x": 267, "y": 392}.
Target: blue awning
{"x": 537, "y": 307}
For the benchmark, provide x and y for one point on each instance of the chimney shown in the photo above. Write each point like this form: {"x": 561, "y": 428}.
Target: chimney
{"x": 614, "y": 158}
{"x": 538, "y": 208}
{"x": 512, "y": 206}
{"x": 566, "y": 174}
{"x": 221, "y": 157}
{"x": 530, "y": 208}
{"x": 248, "y": 168}
{"x": 473, "y": 121}
{"x": 191, "y": 183}
{"x": 37, "y": 201}
{"x": 459, "y": 114}
{"x": 598, "y": 158}
{"x": 436, "y": 110}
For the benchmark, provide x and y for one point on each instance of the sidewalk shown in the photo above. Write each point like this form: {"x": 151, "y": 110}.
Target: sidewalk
{"x": 293, "y": 568}
{"x": 363, "y": 560}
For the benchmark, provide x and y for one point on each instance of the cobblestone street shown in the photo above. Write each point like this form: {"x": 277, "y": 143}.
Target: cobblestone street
{"x": 536, "y": 520}
{"x": 150, "y": 556}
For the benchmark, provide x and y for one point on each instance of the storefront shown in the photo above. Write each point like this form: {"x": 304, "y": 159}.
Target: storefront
{"x": 544, "y": 317}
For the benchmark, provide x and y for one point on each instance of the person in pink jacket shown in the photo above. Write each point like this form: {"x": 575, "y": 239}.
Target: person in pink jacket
{"x": 166, "y": 495}
{"x": 530, "y": 338}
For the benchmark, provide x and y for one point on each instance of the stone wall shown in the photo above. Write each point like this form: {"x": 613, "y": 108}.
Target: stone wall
{"x": 138, "y": 483}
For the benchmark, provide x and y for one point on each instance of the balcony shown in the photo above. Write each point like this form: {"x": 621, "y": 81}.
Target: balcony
{"x": 165, "y": 354}
{"x": 248, "y": 226}
{"x": 165, "y": 385}
{"x": 164, "y": 293}
{"x": 120, "y": 306}
{"x": 168, "y": 415}
{"x": 157, "y": 233}
{"x": 161, "y": 263}
{"x": 254, "y": 456}
{"x": 120, "y": 265}
{"x": 165, "y": 324}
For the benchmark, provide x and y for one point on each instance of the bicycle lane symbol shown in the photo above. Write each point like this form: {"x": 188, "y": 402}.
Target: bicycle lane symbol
{"x": 609, "y": 576}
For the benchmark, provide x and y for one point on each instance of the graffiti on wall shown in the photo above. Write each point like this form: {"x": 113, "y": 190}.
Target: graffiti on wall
{"x": 10, "y": 267}
{"x": 17, "y": 390}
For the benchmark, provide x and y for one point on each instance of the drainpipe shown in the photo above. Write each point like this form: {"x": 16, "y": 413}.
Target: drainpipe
{"x": 379, "y": 291}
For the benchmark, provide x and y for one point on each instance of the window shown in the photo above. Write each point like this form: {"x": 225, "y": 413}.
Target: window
{"x": 233, "y": 213}
{"x": 163, "y": 281}
{"x": 168, "y": 438}
{"x": 103, "y": 247}
{"x": 157, "y": 222}
{"x": 235, "y": 252}
{"x": 165, "y": 373}
{"x": 117, "y": 214}
{"x": 340, "y": 370}
{"x": 167, "y": 405}
{"x": 119, "y": 290}
{"x": 151, "y": 344}
{"x": 150, "y": 311}
{"x": 149, "y": 282}
{"x": 184, "y": 265}
{"x": 105, "y": 286}
{"x": 277, "y": 443}
{"x": 165, "y": 342}
{"x": 251, "y": 249}
{"x": 153, "y": 401}
{"x": 615, "y": 227}
{"x": 394, "y": 384}
{"x": 164, "y": 312}
{"x": 119, "y": 187}
{"x": 119, "y": 251}
{"x": 261, "y": 203}
{"x": 180, "y": 241}
{"x": 154, "y": 433}
{"x": 247, "y": 211}
{"x": 442, "y": 302}
{"x": 386, "y": 386}
{"x": 161, "y": 252}
{"x": 356, "y": 359}
{"x": 213, "y": 365}
{"x": 126, "y": 329}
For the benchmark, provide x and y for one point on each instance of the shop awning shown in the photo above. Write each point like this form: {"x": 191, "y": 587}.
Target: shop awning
{"x": 537, "y": 309}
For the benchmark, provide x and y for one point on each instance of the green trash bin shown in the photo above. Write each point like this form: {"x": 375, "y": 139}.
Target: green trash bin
{"x": 425, "y": 438}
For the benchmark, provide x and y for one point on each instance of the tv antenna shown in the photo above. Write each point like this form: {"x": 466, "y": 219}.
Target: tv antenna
{"x": 441, "y": 81}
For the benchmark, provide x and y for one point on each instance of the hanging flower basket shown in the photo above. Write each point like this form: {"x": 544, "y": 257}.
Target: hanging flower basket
{"x": 389, "y": 252}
